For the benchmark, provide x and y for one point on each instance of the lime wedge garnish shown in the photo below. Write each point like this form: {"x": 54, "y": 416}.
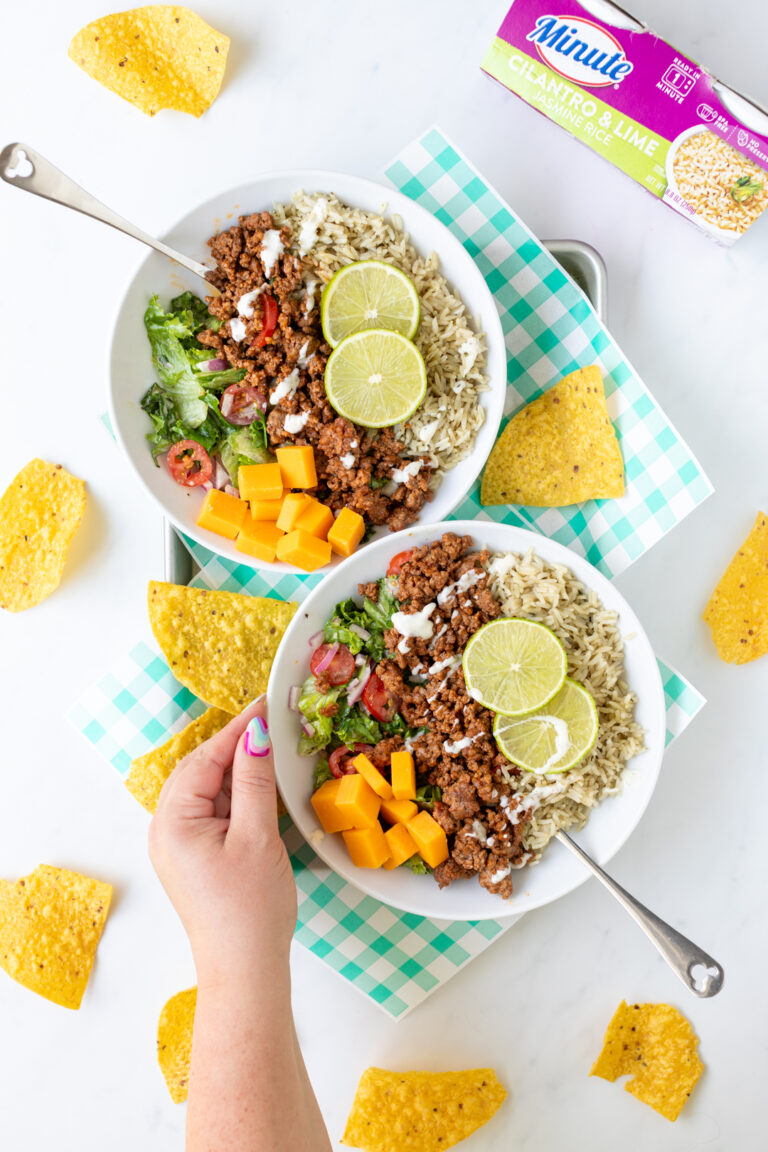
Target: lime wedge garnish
{"x": 514, "y": 666}
{"x": 375, "y": 378}
{"x": 556, "y": 737}
{"x": 369, "y": 294}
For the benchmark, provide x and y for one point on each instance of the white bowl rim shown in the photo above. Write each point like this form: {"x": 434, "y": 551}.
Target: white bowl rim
{"x": 651, "y": 697}
{"x": 396, "y": 202}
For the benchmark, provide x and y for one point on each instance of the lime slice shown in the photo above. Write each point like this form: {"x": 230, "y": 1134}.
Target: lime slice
{"x": 369, "y": 294}
{"x": 375, "y": 378}
{"x": 514, "y": 666}
{"x": 556, "y": 737}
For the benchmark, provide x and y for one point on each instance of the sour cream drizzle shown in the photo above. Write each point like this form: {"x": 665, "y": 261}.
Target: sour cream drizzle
{"x": 287, "y": 385}
{"x": 271, "y": 248}
{"x": 309, "y": 229}
{"x": 414, "y": 624}
{"x": 246, "y": 302}
{"x": 295, "y": 423}
{"x": 237, "y": 328}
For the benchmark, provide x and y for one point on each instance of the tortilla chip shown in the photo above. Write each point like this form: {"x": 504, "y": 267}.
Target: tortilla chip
{"x": 220, "y": 645}
{"x": 174, "y": 1042}
{"x": 658, "y": 1045}
{"x": 560, "y": 449}
{"x": 149, "y": 772}
{"x": 39, "y": 514}
{"x": 50, "y": 925}
{"x": 737, "y": 613}
{"x": 420, "y": 1111}
{"x": 155, "y": 57}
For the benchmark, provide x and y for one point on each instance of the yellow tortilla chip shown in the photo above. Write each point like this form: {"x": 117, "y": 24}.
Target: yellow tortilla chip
{"x": 420, "y": 1111}
{"x": 174, "y": 1042}
{"x": 149, "y": 772}
{"x": 737, "y": 613}
{"x": 220, "y": 645}
{"x": 656, "y": 1044}
{"x": 560, "y": 449}
{"x": 50, "y": 925}
{"x": 39, "y": 514}
{"x": 159, "y": 56}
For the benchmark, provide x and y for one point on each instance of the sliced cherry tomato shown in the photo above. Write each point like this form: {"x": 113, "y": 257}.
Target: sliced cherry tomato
{"x": 341, "y": 668}
{"x": 189, "y": 463}
{"x": 340, "y": 761}
{"x": 268, "y": 321}
{"x": 378, "y": 701}
{"x": 397, "y": 562}
{"x": 242, "y": 404}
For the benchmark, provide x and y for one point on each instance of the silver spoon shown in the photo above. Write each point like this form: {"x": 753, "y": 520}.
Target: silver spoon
{"x": 698, "y": 971}
{"x": 26, "y": 169}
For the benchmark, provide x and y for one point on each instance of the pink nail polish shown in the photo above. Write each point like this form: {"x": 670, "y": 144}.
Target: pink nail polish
{"x": 256, "y": 741}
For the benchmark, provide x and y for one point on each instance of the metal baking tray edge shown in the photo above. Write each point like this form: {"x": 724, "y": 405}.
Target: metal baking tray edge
{"x": 584, "y": 265}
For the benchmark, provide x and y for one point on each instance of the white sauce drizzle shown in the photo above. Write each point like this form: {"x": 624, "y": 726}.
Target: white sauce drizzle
{"x": 237, "y": 328}
{"x": 295, "y": 423}
{"x": 403, "y": 475}
{"x": 287, "y": 385}
{"x": 464, "y": 582}
{"x": 246, "y": 302}
{"x": 414, "y": 624}
{"x": 501, "y": 874}
{"x": 304, "y": 360}
{"x": 309, "y": 229}
{"x": 348, "y": 460}
{"x": 271, "y": 247}
{"x": 309, "y": 302}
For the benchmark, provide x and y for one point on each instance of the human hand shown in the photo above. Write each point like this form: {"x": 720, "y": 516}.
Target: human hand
{"x": 215, "y": 846}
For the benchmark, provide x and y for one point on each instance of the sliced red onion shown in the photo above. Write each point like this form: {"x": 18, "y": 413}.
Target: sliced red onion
{"x": 325, "y": 663}
{"x": 220, "y": 475}
{"x": 354, "y": 694}
{"x": 307, "y": 728}
{"x": 217, "y": 365}
{"x": 316, "y": 639}
{"x": 206, "y": 486}
{"x": 293, "y": 698}
{"x": 231, "y": 490}
{"x": 358, "y": 631}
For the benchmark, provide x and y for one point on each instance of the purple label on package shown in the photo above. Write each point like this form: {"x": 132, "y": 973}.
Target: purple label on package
{"x": 640, "y": 103}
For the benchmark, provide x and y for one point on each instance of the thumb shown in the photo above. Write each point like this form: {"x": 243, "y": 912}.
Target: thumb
{"x": 254, "y": 795}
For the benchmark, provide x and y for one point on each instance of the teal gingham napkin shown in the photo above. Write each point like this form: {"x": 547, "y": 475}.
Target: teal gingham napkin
{"x": 394, "y": 957}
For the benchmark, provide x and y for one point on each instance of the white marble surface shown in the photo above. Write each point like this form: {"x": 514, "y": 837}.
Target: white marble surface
{"x": 343, "y": 85}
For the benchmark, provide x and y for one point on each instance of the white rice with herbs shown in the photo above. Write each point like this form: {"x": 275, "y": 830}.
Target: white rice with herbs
{"x": 718, "y": 183}
{"x": 549, "y": 593}
{"x": 328, "y": 234}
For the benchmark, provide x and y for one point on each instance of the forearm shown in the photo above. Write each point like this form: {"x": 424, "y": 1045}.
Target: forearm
{"x": 248, "y": 1089}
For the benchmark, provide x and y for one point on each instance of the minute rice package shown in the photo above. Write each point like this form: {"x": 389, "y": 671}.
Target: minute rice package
{"x": 690, "y": 140}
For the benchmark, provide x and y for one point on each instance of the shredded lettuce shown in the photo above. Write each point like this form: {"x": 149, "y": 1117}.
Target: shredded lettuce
{"x": 417, "y": 865}
{"x": 244, "y": 445}
{"x": 321, "y": 774}
{"x": 168, "y": 427}
{"x": 311, "y": 705}
{"x": 428, "y": 795}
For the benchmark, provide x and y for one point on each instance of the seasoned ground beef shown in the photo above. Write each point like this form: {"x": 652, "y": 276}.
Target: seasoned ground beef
{"x": 354, "y": 465}
{"x": 457, "y": 752}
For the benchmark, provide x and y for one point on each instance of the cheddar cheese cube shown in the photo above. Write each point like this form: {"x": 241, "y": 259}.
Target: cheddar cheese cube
{"x": 315, "y": 518}
{"x": 357, "y": 801}
{"x": 399, "y": 811}
{"x": 297, "y": 464}
{"x": 367, "y": 846}
{"x": 324, "y": 803}
{"x": 346, "y": 532}
{"x": 258, "y": 538}
{"x": 431, "y": 841}
{"x": 267, "y": 509}
{"x": 400, "y": 845}
{"x": 305, "y": 551}
{"x": 261, "y": 482}
{"x": 403, "y": 776}
{"x": 370, "y": 772}
{"x": 292, "y": 507}
{"x": 222, "y": 513}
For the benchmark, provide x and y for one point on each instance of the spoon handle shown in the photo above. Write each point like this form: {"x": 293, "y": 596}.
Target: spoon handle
{"x": 700, "y": 973}
{"x": 26, "y": 169}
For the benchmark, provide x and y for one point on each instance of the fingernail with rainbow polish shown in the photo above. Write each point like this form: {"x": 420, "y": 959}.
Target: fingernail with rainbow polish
{"x": 257, "y": 737}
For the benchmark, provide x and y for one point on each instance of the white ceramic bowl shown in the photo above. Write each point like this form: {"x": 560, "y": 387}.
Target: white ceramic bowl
{"x": 131, "y": 371}
{"x": 558, "y": 871}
